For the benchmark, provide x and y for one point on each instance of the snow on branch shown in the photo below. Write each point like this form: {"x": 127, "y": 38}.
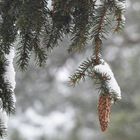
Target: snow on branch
{"x": 7, "y": 95}
{"x": 10, "y": 72}
{"x": 111, "y": 83}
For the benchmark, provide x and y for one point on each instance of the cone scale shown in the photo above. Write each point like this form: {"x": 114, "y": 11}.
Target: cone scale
{"x": 104, "y": 110}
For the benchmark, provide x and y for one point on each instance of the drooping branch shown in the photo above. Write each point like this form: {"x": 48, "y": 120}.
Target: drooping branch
{"x": 99, "y": 30}
{"x": 7, "y": 27}
{"x": 82, "y": 71}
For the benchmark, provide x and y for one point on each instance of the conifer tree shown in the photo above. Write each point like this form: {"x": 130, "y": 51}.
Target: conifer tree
{"x": 38, "y": 29}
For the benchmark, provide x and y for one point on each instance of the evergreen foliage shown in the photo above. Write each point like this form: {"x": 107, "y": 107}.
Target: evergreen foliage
{"x": 6, "y": 95}
{"x": 31, "y": 20}
{"x": 34, "y": 24}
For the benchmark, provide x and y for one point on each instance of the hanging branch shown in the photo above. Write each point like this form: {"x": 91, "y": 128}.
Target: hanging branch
{"x": 100, "y": 70}
{"x": 80, "y": 30}
{"x": 60, "y": 23}
{"x": 82, "y": 71}
{"x": 7, "y": 100}
{"x": 30, "y": 23}
{"x": 7, "y": 28}
{"x": 98, "y": 29}
{"x": 6, "y": 90}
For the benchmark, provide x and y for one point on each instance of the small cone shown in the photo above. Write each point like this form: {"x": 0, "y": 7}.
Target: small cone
{"x": 104, "y": 110}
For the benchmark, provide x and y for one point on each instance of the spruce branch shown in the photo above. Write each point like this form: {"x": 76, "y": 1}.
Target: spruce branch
{"x": 101, "y": 80}
{"x": 7, "y": 97}
{"x": 7, "y": 28}
{"x": 106, "y": 81}
{"x": 24, "y": 51}
{"x": 40, "y": 53}
{"x": 60, "y": 23}
{"x": 99, "y": 22}
{"x": 119, "y": 15}
{"x": 80, "y": 30}
{"x": 30, "y": 23}
{"x": 51, "y": 40}
{"x": 6, "y": 91}
{"x": 98, "y": 29}
{"x": 81, "y": 72}
{"x": 79, "y": 41}
{"x": 118, "y": 8}
{"x": 120, "y": 23}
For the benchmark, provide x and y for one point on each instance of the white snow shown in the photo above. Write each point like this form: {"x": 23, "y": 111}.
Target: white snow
{"x": 35, "y": 125}
{"x": 62, "y": 74}
{"x": 10, "y": 72}
{"x": 10, "y": 77}
{"x": 123, "y": 18}
{"x": 50, "y": 4}
{"x": 4, "y": 118}
{"x": 112, "y": 84}
{"x": 121, "y": 4}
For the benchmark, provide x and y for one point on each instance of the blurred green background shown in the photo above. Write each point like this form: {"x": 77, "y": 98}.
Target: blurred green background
{"x": 49, "y": 109}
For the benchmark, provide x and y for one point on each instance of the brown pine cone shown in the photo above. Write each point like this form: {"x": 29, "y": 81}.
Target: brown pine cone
{"x": 104, "y": 110}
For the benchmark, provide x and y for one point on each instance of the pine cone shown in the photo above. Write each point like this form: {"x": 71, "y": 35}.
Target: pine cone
{"x": 104, "y": 110}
